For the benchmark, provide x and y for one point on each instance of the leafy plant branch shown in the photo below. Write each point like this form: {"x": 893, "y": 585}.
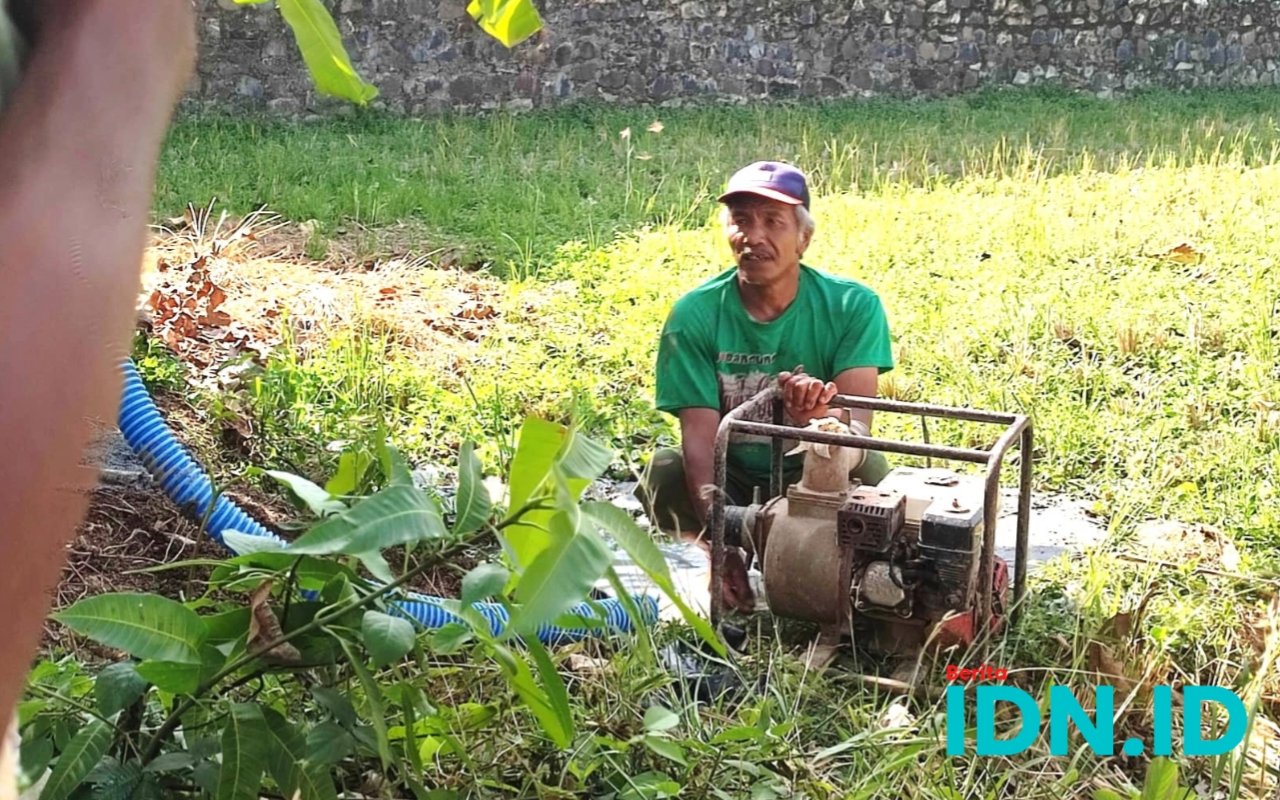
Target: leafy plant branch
{"x": 321, "y": 620}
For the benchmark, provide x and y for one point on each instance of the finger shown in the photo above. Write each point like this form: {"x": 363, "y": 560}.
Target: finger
{"x": 783, "y": 377}
{"x": 829, "y": 393}
{"x": 812, "y": 393}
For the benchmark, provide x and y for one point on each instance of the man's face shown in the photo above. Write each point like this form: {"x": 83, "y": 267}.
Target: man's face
{"x": 765, "y": 238}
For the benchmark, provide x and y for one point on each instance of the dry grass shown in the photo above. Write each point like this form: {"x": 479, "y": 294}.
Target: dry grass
{"x": 276, "y": 294}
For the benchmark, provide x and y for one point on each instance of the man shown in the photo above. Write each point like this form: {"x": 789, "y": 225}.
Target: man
{"x": 769, "y": 319}
{"x": 80, "y": 138}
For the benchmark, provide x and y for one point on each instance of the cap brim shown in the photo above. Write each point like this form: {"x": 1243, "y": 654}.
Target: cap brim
{"x": 772, "y": 194}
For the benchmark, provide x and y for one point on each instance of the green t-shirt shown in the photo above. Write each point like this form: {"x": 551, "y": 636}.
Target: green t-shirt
{"x": 714, "y": 355}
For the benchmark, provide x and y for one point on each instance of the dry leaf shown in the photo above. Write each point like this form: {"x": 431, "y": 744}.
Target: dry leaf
{"x": 1184, "y": 253}
{"x": 897, "y": 715}
{"x": 1230, "y": 557}
{"x": 474, "y": 309}
{"x": 1104, "y": 662}
{"x": 1123, "y": 624}
{"x": 586, "y": 664}
{"x": 264, "y": 628}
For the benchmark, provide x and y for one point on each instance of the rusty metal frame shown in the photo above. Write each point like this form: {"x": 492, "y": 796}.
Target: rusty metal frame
{"x": 1017, "y": 427}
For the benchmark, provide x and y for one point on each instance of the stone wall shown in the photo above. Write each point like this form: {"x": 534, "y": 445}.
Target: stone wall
{"x": 428, "y": 55}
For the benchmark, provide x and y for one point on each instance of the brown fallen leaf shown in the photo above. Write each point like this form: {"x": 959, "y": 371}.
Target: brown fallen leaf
{"x": 264, "y": 629}
{"x": 1183, "y": 253}
{"x": 474, "y": 309}
{"x": 1105, "y": 663}
{"x": 586, "y": 664}
{"x": 1123, "y": 624}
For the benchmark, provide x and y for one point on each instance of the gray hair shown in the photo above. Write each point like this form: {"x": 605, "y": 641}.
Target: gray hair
{"x": 804, "y": 220}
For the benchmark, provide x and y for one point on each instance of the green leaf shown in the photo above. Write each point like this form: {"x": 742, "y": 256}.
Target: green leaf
{"x": 508, "y": 21}
{"x": 521, "y": 679}
{"x": 229, "y": 626}
{"x": 374, "y": 695}
{"x": 377, "y": 566}
{"x": 472, "y": 502}
{"x": 584, "y": 460}
{"x": 33, "y": 759}
{"x": 28, "y": 709}
{"x": 553, "y": 685}
{"x": 1162, "y": 780}
{"x": 560, "y": 577}
{"x": 1107, "y": 794}
{"x": 536, "y": 452}
{"x": 206, "y": 777}
{"x": 396, "y": 516}
{"x": 394, "y": 468}
{"x": 172, "y": 762}
{"x": 352, "y": 467}
{"x": 336, "y": 704}
{"x": 484, "y": 581}
{"x": 149, "y": 788}
{"x": 310, "y": 572}
{"x": 118, "y": 686}
{"x": 114, "y": 781}
{"x": 741, "y": 733}
{"x": 177, "y": 678}
{"x": 145, "y": 626}
{"x": 650, "y": 786}
{"x": 245, "y": 740}
{"x": 657, "y": 718}
{"x": 666, "y": 749}
{"x": 77, "y": 760}
{"x": 321, "y": 503}
{"x": 411, "y": 731}
{"x": 322, "y": 49}
{"x": 288, "y": 764}
{"x": 450, "y": 638}
{"x": 328, "y": 744}
{"x": 244, "y": 544}
{"x": 640, "y": 547}
{"x": 387, "y": 638}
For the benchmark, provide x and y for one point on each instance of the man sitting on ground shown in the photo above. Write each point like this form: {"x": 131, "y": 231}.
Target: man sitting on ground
{"x": 770, "y": 318}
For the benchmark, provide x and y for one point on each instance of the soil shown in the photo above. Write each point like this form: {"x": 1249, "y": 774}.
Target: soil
{"x": 132, "y": 526}
{"x": 127, "y": 529}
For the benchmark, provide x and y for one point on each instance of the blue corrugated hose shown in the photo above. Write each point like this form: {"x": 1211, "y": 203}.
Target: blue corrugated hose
{"x": 187, "y": 485}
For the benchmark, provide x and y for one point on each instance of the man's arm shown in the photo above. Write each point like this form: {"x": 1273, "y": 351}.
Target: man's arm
{"x": 698, "y": 428}
{"x": 79, "y": 142}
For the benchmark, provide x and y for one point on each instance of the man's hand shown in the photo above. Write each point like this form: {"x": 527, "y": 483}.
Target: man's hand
{"x": 804, "y": 396}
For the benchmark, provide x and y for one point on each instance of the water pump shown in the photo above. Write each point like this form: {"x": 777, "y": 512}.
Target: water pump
{"x": 901, "y": 566}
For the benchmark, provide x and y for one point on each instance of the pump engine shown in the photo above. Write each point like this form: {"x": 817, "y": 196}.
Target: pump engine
{"x": 899, "y": 564}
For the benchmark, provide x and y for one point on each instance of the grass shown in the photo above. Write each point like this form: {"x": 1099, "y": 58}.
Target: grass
{"x": 1024, "y": 247}
{"x": 508, "y": 190}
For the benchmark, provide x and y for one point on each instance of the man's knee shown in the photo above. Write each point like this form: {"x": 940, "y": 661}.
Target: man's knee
{"x": 664, "y": 493}
{"x": 874, "y": 468}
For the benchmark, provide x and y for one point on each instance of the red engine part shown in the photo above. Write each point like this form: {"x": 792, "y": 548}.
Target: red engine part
{"x": 962, "y": 629}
